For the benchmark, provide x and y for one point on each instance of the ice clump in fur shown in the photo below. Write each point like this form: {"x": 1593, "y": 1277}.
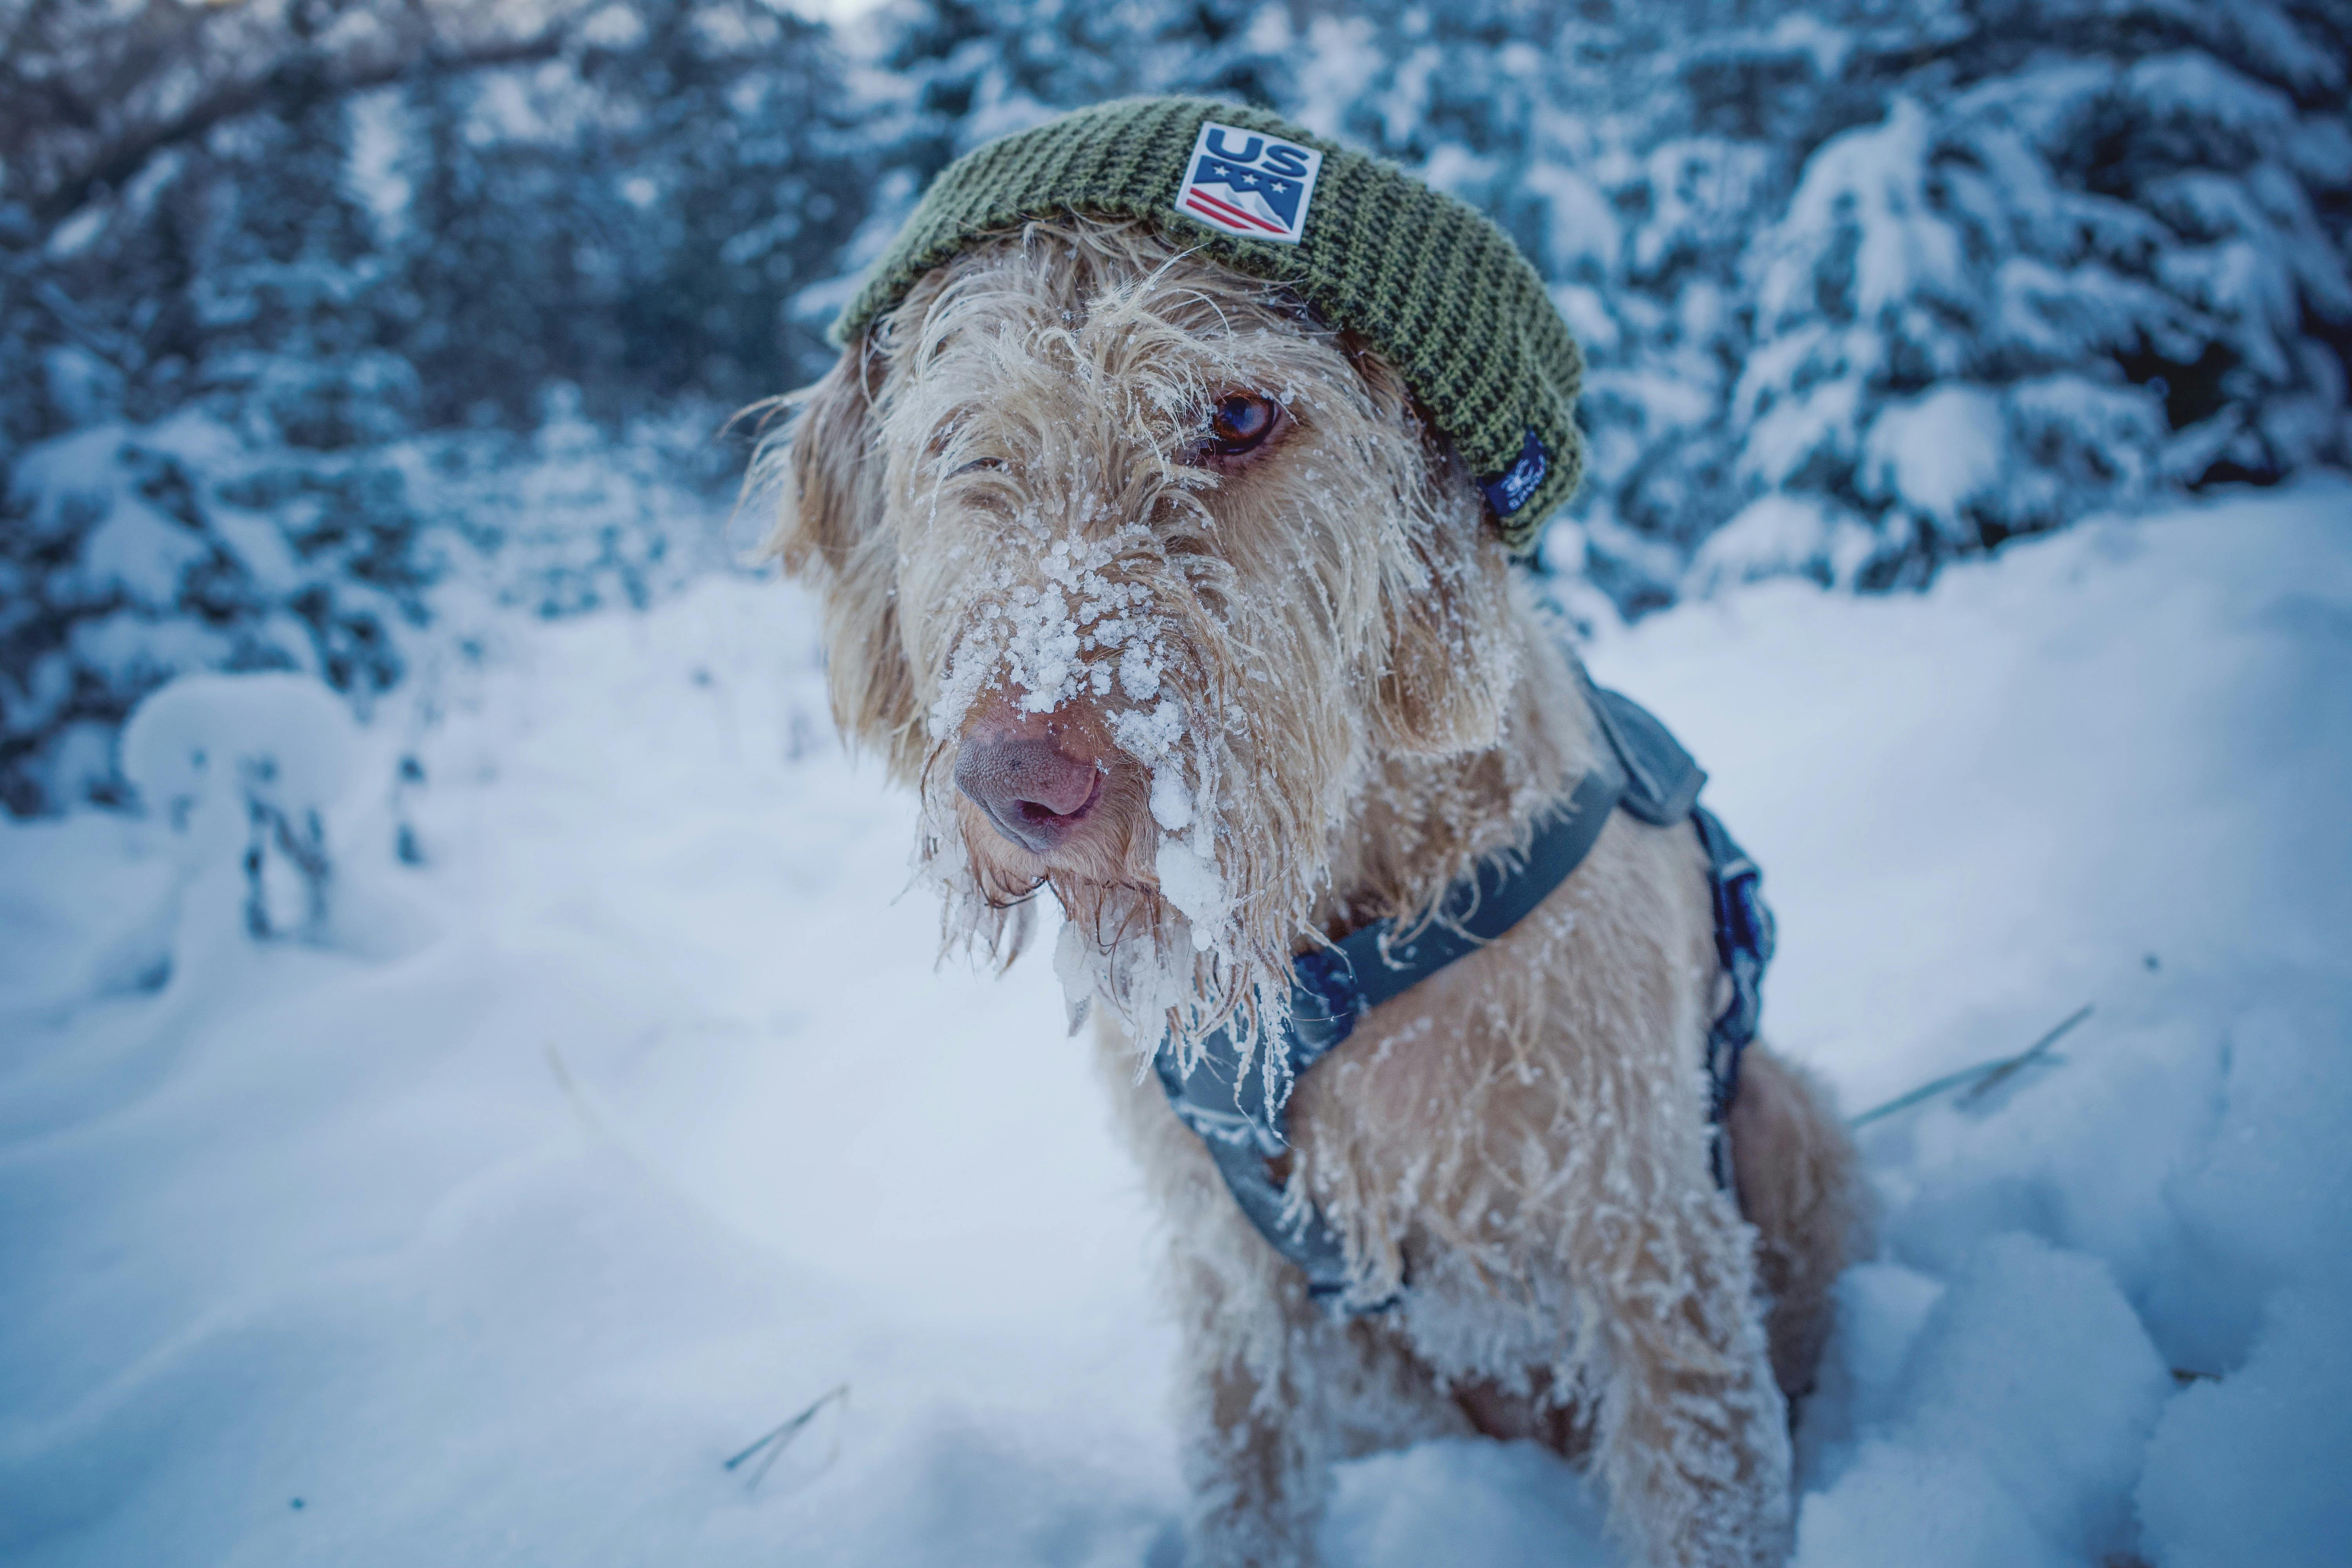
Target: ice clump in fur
{"x": 1189, "y": 880}
{"x": 1171, "y": 803}
{"x": 1076, "y": 636}
{"x": 1037, "y": 640}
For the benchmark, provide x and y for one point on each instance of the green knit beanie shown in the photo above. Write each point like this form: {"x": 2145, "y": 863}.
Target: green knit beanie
{"x": 1436, "y": 289}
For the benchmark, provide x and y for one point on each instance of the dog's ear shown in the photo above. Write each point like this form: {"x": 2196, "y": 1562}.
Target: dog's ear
{"x": 1450, "y": 656}
{"x": 1451, "y": 660}
{"x": 825, "y": 476}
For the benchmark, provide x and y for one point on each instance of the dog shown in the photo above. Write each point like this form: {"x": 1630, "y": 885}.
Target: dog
{"x": 1169, "y": 601}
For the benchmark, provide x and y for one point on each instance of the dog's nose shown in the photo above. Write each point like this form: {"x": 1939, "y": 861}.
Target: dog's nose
{"x": 1033, "y": 792}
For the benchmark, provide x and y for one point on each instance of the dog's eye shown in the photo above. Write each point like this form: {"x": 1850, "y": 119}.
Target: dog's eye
{"x": 1241, "y": 422}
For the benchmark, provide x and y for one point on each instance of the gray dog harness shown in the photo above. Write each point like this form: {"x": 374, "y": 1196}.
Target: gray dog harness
{"x": 1226, "y": 1101}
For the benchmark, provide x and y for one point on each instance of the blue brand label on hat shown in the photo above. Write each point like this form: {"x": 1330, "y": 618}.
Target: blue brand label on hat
{"x": 1245, "y": 183}
{"x": 1518, "y": 482}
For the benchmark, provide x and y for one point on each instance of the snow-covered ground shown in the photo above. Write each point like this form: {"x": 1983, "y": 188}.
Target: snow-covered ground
{"x": 609, "y": 1111}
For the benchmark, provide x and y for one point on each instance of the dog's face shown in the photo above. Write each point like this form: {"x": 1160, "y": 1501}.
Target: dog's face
{"x": 1140, "y": 576}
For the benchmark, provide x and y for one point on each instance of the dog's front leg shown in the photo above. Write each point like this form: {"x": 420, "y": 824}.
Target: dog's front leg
{"x": 1259, "y": 1361}
{"x": 1693, "y": 1437}
{"x": 1272, "y": 1390}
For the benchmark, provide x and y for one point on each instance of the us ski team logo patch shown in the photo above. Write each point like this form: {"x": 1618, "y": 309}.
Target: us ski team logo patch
{"x": 1241, "y": 182}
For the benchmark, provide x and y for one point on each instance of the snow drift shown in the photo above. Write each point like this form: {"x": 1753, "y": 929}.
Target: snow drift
{"x": 581, "y": 1106}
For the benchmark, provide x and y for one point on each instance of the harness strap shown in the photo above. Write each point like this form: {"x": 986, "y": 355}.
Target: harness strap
{"x": 1237, "y": 1106}
{"x": 1744, "y": 939}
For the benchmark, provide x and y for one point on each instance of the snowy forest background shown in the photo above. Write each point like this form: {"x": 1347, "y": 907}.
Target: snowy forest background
{"x": 458, "y": 1136}
{"x": 329, "y": 328}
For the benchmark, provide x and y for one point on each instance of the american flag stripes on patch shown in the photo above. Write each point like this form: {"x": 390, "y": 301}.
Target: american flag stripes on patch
{"x": 1245, "y": 183}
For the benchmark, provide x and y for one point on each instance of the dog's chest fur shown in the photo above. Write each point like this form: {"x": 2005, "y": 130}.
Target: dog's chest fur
{"x": 1505, "y": 1114}
{"x": 1472, "y": 1126}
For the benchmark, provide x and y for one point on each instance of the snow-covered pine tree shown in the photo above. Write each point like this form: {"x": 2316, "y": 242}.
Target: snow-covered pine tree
{"x": 2096, "y": 246}
{"x": 2092, "y": 252}
{"x": 213, "y": 332}
{"x": 630, "y": 220}
{"x": 306, "y": 307}
{"x": 327, "y": 298}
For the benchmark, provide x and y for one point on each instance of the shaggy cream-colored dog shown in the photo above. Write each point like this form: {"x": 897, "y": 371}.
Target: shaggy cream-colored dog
{"x": 1168, "y": 601}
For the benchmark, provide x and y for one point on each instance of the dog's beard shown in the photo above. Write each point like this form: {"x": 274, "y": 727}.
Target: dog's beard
{"x": 1183, "y": 897}
{"x": 1053, "y": 547}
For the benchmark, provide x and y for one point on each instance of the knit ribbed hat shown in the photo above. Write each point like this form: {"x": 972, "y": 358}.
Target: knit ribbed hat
{"x": 1436, "y": 289}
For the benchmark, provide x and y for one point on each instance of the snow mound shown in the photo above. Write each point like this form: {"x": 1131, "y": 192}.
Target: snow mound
{"x": 2024, "y": 1405}
{"x": 2251, "y": 1470}
{"x": 613, "y": 1115}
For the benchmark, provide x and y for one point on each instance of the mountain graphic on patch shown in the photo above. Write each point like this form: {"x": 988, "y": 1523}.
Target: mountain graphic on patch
{"x": 1245, "y": 183}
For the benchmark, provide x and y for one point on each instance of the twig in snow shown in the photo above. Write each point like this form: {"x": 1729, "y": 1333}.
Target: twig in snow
{"x": 777, "y": 1441}
{"x": 2035, "y": 1052}
{"x": 1981, "y": 1079}
{"x": 601, "y": 1127}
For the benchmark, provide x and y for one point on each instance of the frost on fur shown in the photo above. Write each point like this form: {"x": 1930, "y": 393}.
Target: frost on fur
{"x": 1257, "y": 704}
{"x": 999, "y": 493}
